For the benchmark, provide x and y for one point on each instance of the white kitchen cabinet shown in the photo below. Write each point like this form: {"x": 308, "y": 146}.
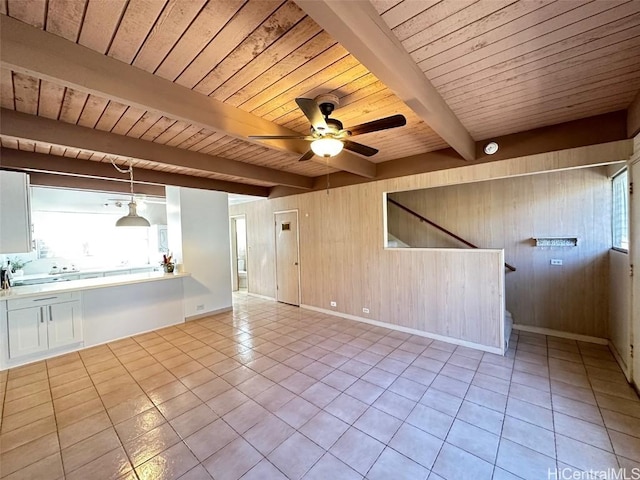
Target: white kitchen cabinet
{"x": 27, "y": 332}
{"x": 15, "y": 213}
{"x": 40, "y": 324}
{"x": 64, "y": 324}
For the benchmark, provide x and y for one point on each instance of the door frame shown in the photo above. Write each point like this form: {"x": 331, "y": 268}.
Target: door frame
{"x": 275, "y": 251}
{"x": 634, "y": 262}
{"x": 235, "y": 280}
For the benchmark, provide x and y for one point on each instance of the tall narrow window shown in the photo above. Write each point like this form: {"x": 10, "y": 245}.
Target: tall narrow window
{"x": 620, "y": 216}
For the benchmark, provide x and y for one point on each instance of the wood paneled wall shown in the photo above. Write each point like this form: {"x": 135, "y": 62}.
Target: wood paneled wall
{"x": 507, "y": 214}
{"x": 452, "y": 293}
{"x": 343, "y": 259}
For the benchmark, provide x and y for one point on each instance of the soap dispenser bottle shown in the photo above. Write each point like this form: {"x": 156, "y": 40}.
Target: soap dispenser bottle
{"x": 5, "y": 276}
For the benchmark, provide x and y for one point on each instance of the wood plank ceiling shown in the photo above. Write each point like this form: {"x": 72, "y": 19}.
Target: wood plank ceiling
{"x": 507, "y": 66}
{"x": 502, "y": 66}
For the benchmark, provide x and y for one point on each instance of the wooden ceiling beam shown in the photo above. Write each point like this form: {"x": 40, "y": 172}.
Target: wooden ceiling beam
{"x": 593, "y": 131}
{"x": 359, "y": 28}
{"x": 31, "y": 51}
{"x": 43, "y": 163}
{"x": 42, "y": 179}
{"x": 39, "y": 129}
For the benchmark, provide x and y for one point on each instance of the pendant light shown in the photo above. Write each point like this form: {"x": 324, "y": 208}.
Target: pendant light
{"x": 132, "y": 219}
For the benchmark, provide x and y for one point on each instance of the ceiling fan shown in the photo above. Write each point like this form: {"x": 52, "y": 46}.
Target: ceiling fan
{"x": 328, "y": 137}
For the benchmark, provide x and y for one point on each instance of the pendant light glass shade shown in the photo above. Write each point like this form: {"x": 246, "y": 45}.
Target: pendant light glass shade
{"x": 326, "y": 147}
{"x": 132, "y": 219}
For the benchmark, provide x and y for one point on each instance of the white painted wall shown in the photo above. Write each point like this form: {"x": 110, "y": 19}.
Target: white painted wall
{"x": 198, "y": 224}
{"x": 115, "y": 312}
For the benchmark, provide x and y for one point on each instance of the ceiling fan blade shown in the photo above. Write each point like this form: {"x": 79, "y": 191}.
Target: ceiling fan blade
{"x": 312, "y": 112}
{"x": 380, "y": 124}
{"x": 359, "y": 148}
{"x": 306, "y": 156}
{"x": 281, "y": 137}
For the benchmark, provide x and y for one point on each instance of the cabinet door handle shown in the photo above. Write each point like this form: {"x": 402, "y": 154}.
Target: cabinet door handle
{"x": 41, "y": 315}
{"x": 50, "y": 314}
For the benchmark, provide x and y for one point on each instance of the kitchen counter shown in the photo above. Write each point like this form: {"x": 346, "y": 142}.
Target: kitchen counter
{"x": 44, "y": 320}
{"x": 87, "y": 284}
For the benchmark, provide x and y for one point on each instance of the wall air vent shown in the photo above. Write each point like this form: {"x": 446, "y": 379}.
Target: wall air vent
{"x": 555, "y": 241}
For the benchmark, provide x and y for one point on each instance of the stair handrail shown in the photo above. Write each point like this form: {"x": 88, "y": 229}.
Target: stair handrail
{"x": 442, "y": 229}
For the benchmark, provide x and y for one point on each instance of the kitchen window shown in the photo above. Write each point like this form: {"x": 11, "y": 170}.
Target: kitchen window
{"x": 620, "y": 213}
{"x": 92, "y": 238}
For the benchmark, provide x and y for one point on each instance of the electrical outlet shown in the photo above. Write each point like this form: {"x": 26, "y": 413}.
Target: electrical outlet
{"x": 365, "y": 310}
{"x": 199, "y": 307}
{"x": 334, "y": 304}
{"x": 556, "y": 261}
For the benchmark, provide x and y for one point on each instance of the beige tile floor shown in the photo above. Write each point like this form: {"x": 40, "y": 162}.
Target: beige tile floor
{"x": 274, "y": 392}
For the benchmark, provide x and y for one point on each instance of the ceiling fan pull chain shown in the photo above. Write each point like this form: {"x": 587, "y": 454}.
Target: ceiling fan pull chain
{"x": 327, "y": 176}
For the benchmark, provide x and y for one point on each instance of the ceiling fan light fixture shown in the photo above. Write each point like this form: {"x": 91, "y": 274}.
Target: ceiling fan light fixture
{"x": 328, "y": 136}
{"x": 326, "y": 147}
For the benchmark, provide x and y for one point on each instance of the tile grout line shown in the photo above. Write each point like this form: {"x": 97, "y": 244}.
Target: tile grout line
{"x": 444, "y": 441}
{"x": 30, "y": 423}
{"x": 500, "y": 436}
{"x": 600, "y": 409}
{"x": 55, "y": 419}
{"x": 167, "y": 421}
{"x": 553, "y": 417}
{"x": 106, "y": 411}
{"x": 277, "y": 322}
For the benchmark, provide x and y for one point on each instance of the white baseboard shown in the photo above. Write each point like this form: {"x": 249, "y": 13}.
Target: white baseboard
{"x": 621, "y": 363}
{"x": 561, "y": 334}
{"x": 80, "y": 347}
{"x": 208, "y": 314}
{"x": 412, "y": 331}
{"x": 40, "y": 356}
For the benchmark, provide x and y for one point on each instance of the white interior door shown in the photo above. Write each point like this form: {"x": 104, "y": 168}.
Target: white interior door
{"x": 287, "y": 259}
{"x": 634, "y": 257}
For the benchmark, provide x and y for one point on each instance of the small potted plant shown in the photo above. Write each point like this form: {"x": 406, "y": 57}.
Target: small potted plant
{"x": 167, "y": 264}
{"x": 16, "y": 266}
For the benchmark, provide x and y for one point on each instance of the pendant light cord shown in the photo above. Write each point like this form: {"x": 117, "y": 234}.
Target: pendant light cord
{"x": 129, "y": 171}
